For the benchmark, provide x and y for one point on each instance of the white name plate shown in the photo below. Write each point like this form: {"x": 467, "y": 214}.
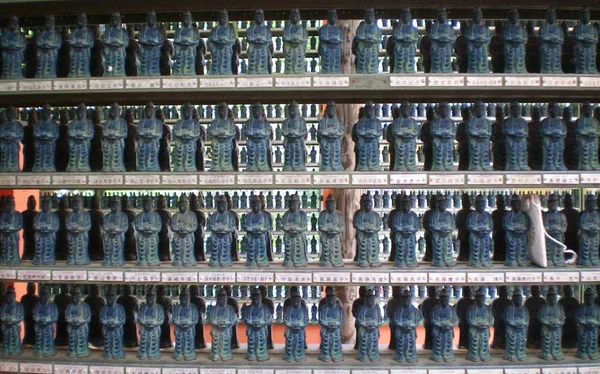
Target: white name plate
{"x": 25, "y": 367}
{"x": 370, "y": 179}
{"x": 141, "y": 370}
{"x": 589, "y": 178}
{"x": 526, "y": 179}
{"x": 485, "y": 278}
{"x": 485, "y": 179}
{"x": 559, "y": 81}
{"x": 69, "y": 275}
{"x": 447, "y": 278}
{"x": 8, "y": 86}
{"x": 254, "y": 179}
{"x": 107, "y": 369}
{"x": 331, "y": 81}
{"x": 589, "y": 370}
{"x": 105, "y": 180}
{"x": 65, "y": 85}
{"x": 408, "y": 81}
{"x": 445, "y": 81}
{"x": 35, "y": 85}
{"x": 560, "y": 178}
{"x": 589, "y": 81}
{"x": 9, "y": 367}
{"x": 180, "y": 371}
{"x": 69, "y": 180}
{"x": 590, "y": 276}
{"x": 217, "y": 179}
{"x": 509, "y": 370}
{"x": 255, "y": 82}
{"x": 216, "y": 277}
{"x": 561, "y": 277}
{"x": 408, "y": 178}
{"x": 142, "y": 180}
{"x": 523, "y": 277}
{"x": 447, "y": 180}
{"x": 371, "y": 278}
{"x": 8, "y": 180}
{"x": 253, "y": 278}
{"x": 333, "y": 277}
{"x": 34, "y": 275}
{"x": 331, "y": 371}
{"x": 408, "y": 371}
{"x": 180, "y": 179}
{"x": 559, "y": 370}
{"x": 369, "y": 371}
{"x": 188, "y": 277}
{"x": 217, "y": 82}
{"x": 8, "y": 274}
{"x": 216, "y": 371}
{"x": 297, "y": 278}
{"x": 142, "y": 277}
{"x": 142, "y": 83}
{"x": 292, "y": 179}
{"x": 106, "y": 84}
{"x": 291, "y": 371}
{"x": 331, "y": 180}
{"x": 518, "y": 81}
{"x": 70, "y": 369}
{"x": 179, "y": 83}
{"x": 446, "y": 371}
{"x": 255, "y": 371}
{"x": 293, "y": 82}
{"x": 408, "y": 278}
{"x": 485, "y": 371}
{"x": 484, "y": 81}
{"x": 33, "y": 180}
{"x": 105, "y": 276}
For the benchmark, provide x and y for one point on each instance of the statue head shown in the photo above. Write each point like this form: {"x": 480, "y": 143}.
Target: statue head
{"x": 587, "y": 109}
{"x": 221, "y": 203}
{"x": 222, "y": 110}
{"x": 369, "y": 109}
{"x": 46, "y": 112}
{"x": 466, "y": 200}
{"x": 45, "y": 204}
{"x": 444, "y": 298}
{"x": 477, "y": 16}
{"x": 515, "y": 109}
{"x": 406, "y": 16}
{"x": 589, "y": 296}
{"x": 49, "y": 22}
{"x": 480, "y": 297}
{"x": 126, "y": 290}
{"x": 150, "y": 296}
{"x": 568, "y": 290}
{"x": 31, "y": 202}
{"x": 147, "y": 205}
{"x": 443, "y": 110}
{"x": 406, "y": 298}
{"x": 44, "y": 295}
{"x": 551, "y": 15}
{"x": 466, "y": 292}
{"x": 115, "y": 20}
{"x": 568, "y": 201}
{"x": 183, "y": 203}
{"x": 111, "y": 296}
{"x": 115, "y": 204}
{"x": 442, "y": 15}
{"x": 31, "y": 288}
{"x": 517, "y": 297}
{"x": 94, "y": 290}
{"x": 295, "y": 16}
{"x": 480, "y": 203}
{"x": 78, "y": 204}
{"x": 114, "y": 111}
{"x": 431, "y": 291}
{"x": 503, "y": 292}
{"x": 255, "y": 204}
{"x": 10, "y": 296}
{"x": 405, "y": 109}
{"x": 294, "y": 203}
{"x": 535, "y": 291}
{"x": 552, "y": 203}
{"x": 184, "y": 296}
{"x": 186, "y": 111}
{"x": 500, "y": 204}
{"x": 367, "y": 202}
{"x": 64, "y": 289}
{"x": 293, "y": 109}
{"x": 332, "y": 16}
{"x": 81, "y": 112}
{"x": 256, "y": 296}
{"x": 590, "y": 202}
{"x": 330, "y": 204}
{"x": 11, "y": 113}
{"x": 584, "y": 15}
{"x": 478, "y": 109}
{"x": 553, "y": 109}
{"x": 330, "y": 297}
{"x": 369, "y": 15}
{"x": 149, "y": 111}
{"x": 296, "y": 299}
{"x": 370, "y": 298}
{"x": 223, "y": 17}
{"x": 125, "y": 202}
{"x": 151, "y": 19}
{"x": 440, "y": 202}
{"x": 257, "y": 110}
{"x": 259, "y": 17}
{"x": 551, "y": 296}
{"x": 221, "y": 297}
{"x": 75, "y": 295}
{"x": 513, "y": 16}
{"x": 81, "y": 20}
{"x": 161, "y": 202}
{"x": 406, "y": 204}
{"x": 515, "y": 203}
{"x": 186, "y": 19}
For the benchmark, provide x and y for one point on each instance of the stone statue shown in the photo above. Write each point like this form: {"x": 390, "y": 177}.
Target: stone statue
{"x": 257, "y": 131}
{"x": 295, "y": 37}
{"x": 516, "y": 318}
{"x": 498, "y": 233}
{"x": 78, "y": 316}
{"x": 589, "y": 233}
{"x": 514, "y": 37}
{"x": 480, "y": 225}
{"x": 552, "y": 318}
{"x": 479, "y": 318}
{"x": 115, "y": 40}
{"x": 147, "y": 227}
{"x": 81, "y": 132}
{"x": 11, "y": 134}
{"x": 366, "y": 134}
{"x": 478, "y": 39}
{"x": 516, "y": 132}
{"x": 516, "y": 224}
{"x": 260, "y": 45}
{"x": 570, "y": 305}
{"x": 404, "y": 39}
{"x": 114, "y": 227}
{"x": 551, "y": 41}
{"x": 224, "y": 47}
{"x": 330, "y": 133}
{"x": 461, "y": 220}
{"x": 186, "y": 133}
{"x": 331, "y": 38}
{"x": 294, "y": 132}
{"x": 366, "y": 44}
{"x": 533, "y": 305}
{"x": 443, "y": 319}
{"x": 130, "y": 243}
{"x": 45, "y": 315}
{"x": 11, "y": 316}
{"x": 81, "y": 41}
{"x": 406, "y": 320}
{"x": 586, "y": 37}
{"x": 46, "y": 226}
{"x": 164, "y": 240}
{"x": 151, "y": 39}
{"x": 166, "y": 303}
{"x": 295, "y": 319}
{"x": 114, "y": 133}
{"x": 499, "y": 307}
{"x": 11, "y": 223}
{"x": 222, "y": 225}
{"x": 479, "y": 131}
{"x": 331, "y": 228}
{"x": 294, "y": 225}
{"x": 29, "y": 301}
{"x": 368, "y": 320}
{"x": 45, "y": 133}
{"x": 554, "y": 131}
{"x": 587, "y": 130}
{"x": 257, "y": 317}
{"x": 28, "y": 217}
{"x": 95, "y": 302}
{"x": 48, "y": 41}
{"x": 149, "y": 132}
{"x": 442, "y": 226}
{"x": 186, "y": 41}
{"x": 462, "y": 307}
{"x": 441, "y": 37}
{"x": 183, "y": 225}
{"x": 404, "y": 226}
{"x": 112, "y": 316}
{"x": 588, "y": 320}
{"x": 201, "y": 307}
{"x": 185, "y": 318}
{"x": 12, "y": 45}
{"x": 222, "y": 319}
{"x": 331, "y": 319}
{"x": 78, "y": 225}
{"x": 131, "y": 307}
{"x": 555, "y": 223}
{"x": 257, "y": 226}
{"x": 572, "y": 214}
{"x": 150, "y": 320}
{"x": 443, "y": 130}
{"x": 222, "y": 132}
{"x": 367, "y": 224}
{"x": 198, "y": 234}
{"x": 95, "y": 241}
{"x": 402, "y": 136}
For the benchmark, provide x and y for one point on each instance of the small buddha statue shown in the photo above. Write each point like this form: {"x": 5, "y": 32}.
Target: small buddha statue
{"x": 112, "y": 317}
{"x": 147, "y": 227}
{"x": 480, "y": 225}
{"x": 586, "y": 38}
{"x": 11, "y": 135}
{"x": 479, "y": 131}
{"x": 260, "y": 45}
{"x": 224, "y": 47}
{"x": 149, "y": 132}
{"x": 479, "y": 318}
{"x": 443, "y": 131}
{"x": 330, "y": 132}
{"x": 222, "y": 319}
{"x": 46, "y": 226}
{"x": 257, "y": 317}
{"x": 114, "y": 133}
{"x": 478, "y": 39}
{"x": 404, "y": 224}
{"x": 555, "y": 223}
{"x": 294, "y": 225}
{"x": 183, "y": 226}
{"x": 185, "y": 318}
{"x": 295, "y": 320}
{"x": 441, "y": 36}
{"x": 294, "y": 132}
{"x": 404, "y": 41}
{"x": 81, "y": 41}
{"x": 406, "y": 319}
{"x": 442, "y": 225}
{"x": 186, "y": 133}
{"x": 368, "y": 320}
{"x": 516, "y": 318}
{"x": 257, "y": 225}
{"x": 115, "y": 40}
{"x": 78, "y": 317}
{"x": 553, "y": 131}
{"x": 45, "y": 133}
{"x": 12, "y": 45}
{"x": 366, "y": 44}
{"x": 223, "y": 134}
{"x": 588, "y": 321}
{"x": 222, "y": 224}
{"x": 45, "y": 315}
{"x": 367, "y": 224}
{"x": 48, "y": 41}
{"x": 552, "y": 319}
{"x": 150, "y": 319}
{"x": 11, "y": 223}
{"x": 366, "y": 134}
{"x": 258, "y": 133}
{"x": 516, "y": 224}
{"x": 587, "y": 131}
{"x": 402, "y": 135}
{"x": 331, "y": 38}
{"x": 115, "y": 225}
{"x": 331, "y": 227}
{"x": 551, "y": 41}
{"x": 443, "y": 320}
{"x": 589, "y": 233}
{"x": 514, "y": 37}
{"x": 81, "y": 132}
{"x": 151, "y": 39}
{"x": 131, "y": 306}
{"x": 187, "y": 40}
{"x": 11, "y": 316}
{"x": 331, "y": 319}
{"x": 516, "y": 132}
{"x": 295, "y": 37}
{"x": 78, "y": 226}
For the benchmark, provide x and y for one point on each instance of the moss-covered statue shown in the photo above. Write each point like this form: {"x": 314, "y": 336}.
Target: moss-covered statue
{"x": 366, "y": 134}
{"x": 183, "y": 225}
{"x": 257, "y": 318}
{"x": 479, "y": 131}
{"x": 185, "y": 318}
{"x": 516, "y": 132}
{"x": 48, "y": 41}
{"x": 442, "y": 37}
{"x": 221, "y": 225}
{"x": 11, "y": 134}
{"x": 224, "y": 47}
{"x": 11, "y": 316}
{"x": 551, "y": 44}
{"x": 404, "y": 43}
{"x": 366, "y": 44}
{"x": 404, "y": 226}
{"x": 480, "y": 225}
{"x": 222, "y": 318}
{"x": 331, "y": 319}
{"x": 257, "y": 226}
{"x": 331, "y": 38}
{"x": 553, "y": 131}
{"x": 11, "y": 223}
{"x": 114, "y": 132}
{"x": 46, "y": 225}
{"x": 443, "y": 131}
{"x": 443, "y": 319}
{"x": 514, "y": 37}
{"x": 294, "y": 224}
{"x": 260, "y": 45}
{"x": 368, "y": 320}
{"x": 186, "y": 41}
{"x": 479, "y": 318}
{"x": 115, "y": 40}
{"x": 406, "y": 320}
{"x": 478, "y": 39}
{"x": 259, "y": 134}
{"x": 442, "y": 226}
{"x": 331, "y": 227}
{"x": 367, "y": 224}
{"x": 295, "y": 319}
{"x": 588, "y": 321}
{"x": 329, "y": 135}
{"x": 586, "y": 38}
{"x": 151, "y": 39}
{"x": 12, "y": 45}
{"x": 147, "y": 227}
{"x": 81, "y": 132}
{"x": 114, "y": 227}
{"x": 222, "y": 132}
{"x": 112, "y": 316}
{"x": 516, "y": 224}
{"x": 149, "y": 133}
{"x": 79, "y": 223}
{"x": 555, "y": 223}
{"x": 587, "y": 129}
{"x": 78, "y": 317}
{"x": 150, "y": 319}
{"x": 402, "y": 136}
{"x": 81, "y": 41}
{"x": 552, "y": 319}
{"x": 45, "y": 315}
{"x": 294, "y": 133}
{"x": 295, "y": 37}
{"x": 589, "y": 233}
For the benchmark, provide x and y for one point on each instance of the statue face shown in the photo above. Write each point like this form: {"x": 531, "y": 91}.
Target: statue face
{"x": 223, "y": 19}
{"x": 80, "y": 113}
{"x": 587, "y": 110}
{"x": 151, "y": 299}
{"x": 293, "y": 111}
{"x": 78, "y": 204}
{"x": 515, "y": 111}
{"x": 330, "y": 111}
{"x": 589, "y": 205}
{"x": 368, "y": 205}
{"x": 552, "y": 206}
{"x": 81, "y": 20}
{"x": 330, "y": 300}
{"x": 441, "y": 205}
{"x": 161, "y": 203}
{"x": 406, "y": 17}
{"x": 477, "y": 16}
{"x": 516, "y": 205}
{"x": 151, "y": 20}
{"x": 44, "y": 297}
{"x": 186, "y": 20}
{"x": 149, "y": 111}
{"x": 182, "y": 205}
{"x": 551, "y": 16}
{"x": 584, "y": 16}
{"x": 221, "y": 300}
{"x": 588, "y": 299}
{"x": 478, "y": 110}
{"x": 369, "y": 16}
{"x": 45, "y": 205}
{"x": 49, "y": 22}
{"x": 332, "y": 18}
{"x": 221, "y": 206}
{"x": 222, "y": 112}
{"x": 444, "y": 300}
{"x": 256, "y": 299}
{"x": 31, "y": 203}
{"x": 259, "y": 18}
{"x": 114, "y": 206}
{"x": 184, "y": 299}
{"x": 554, "y": 110}
{"x": 480, "y": 206}
{"x": 406, "y": 206}
{"x": 293, "y": 205}
{"x": 110, "y": 299}
{"x": 257, "y": 111}
{"x": 295, "y": 17}
{"x": 480, "y": 300}
{"x": 442, "y": 15}
{"x": 75, "y": 297}
{"x": 370, "y": 301}
{"x": 330, "y": 206}
{"x": 115, "y": 111}
{"x": 115, "y": 21}
{"x": 369, "y": 111}
{"x": 46, "y": 113}
{"x": 147, "y": 205}
{"x": 296, "y": 301}
{"x": 513, "y": 17}
{"x": 255, "y": 206}
{"x": 552, "y": 299}
{"x": 405, "y": 110}
{"x": 517, "y": 300}
{"x": 187, "y": 111}
{"x": 444, "y": 111}
{"x": 10, "y": 297}
{"x": 406, "y": 300}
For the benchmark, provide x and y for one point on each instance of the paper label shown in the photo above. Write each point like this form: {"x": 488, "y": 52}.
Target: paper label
{"x": 35, "y": 85}
{"x": 485, "y": 278}
{"x": 331, "y": 81}
{"x": 484, "y": 81}
{"x": 589, "y": 81}
{"x": 292, "y": 371}
{"x": 524, "y": 179}
{"x": 590, "y": 276}
{"x": 589, "y": 370}
{"x": 370, "y": 179}
{"x": 559, "y": 370}
{"x": 25, "y": 367}
{"x": 65, "y": 85}
{"x": 485, "y": 371}
{"x": 292, "y": 179}
{"x": 9, "y": 367}
{"x": 8, "y": 86}
{"x": 8, "y": 274}
{"x": 255, "y": 371}
{"x": 589, "y": 178}
{"x": 369, "y": 371}
{"x": 179, "y": 83}
{"x": 70, "y": 369}
{"x": 8, "y": 180}
{"x": 331, "y": 371}
{"x": 445, "y": 81}
{"x": 446, "y": 179}
{"x": 254, "y": 179}
{"x": 561, "y": 277}
{"x": 142, "y": 277}
{"x": 523, "y": 277}
{"x": 408, "y": 81}
{"x": 216, "y": 371}
{"x": 447, "y": 278}
{"x": 371, "y": 278}
{"x": 216, "y": 277}
{"x": 446, "y": 371}
{"x": 332, "y": 277}
{"x": 485, "y": 179}
{"x": 293, "y": 82}
{"x": 180, "y": 179}
{"x": 34, "y": 275}
{"x": 560, "y": 178}
{"x": 69, "y": 275}
{"x": 331, "y": 179}
{"x": 105, "y": 179}
{"x": 105, "y": 276}
{"x": 142, "y": 83}
{"x": 408, "y": 371}
{"x": 255, "y": 82}
{"x": 408, "y": 278}
{"x": 509, "y": 370}
{"x": 180, "y": 371}
{"x": 296, "y": 278}
{"x": 254, "y": 278}
{"x": 106, "y": 84}
{"x": 141, "y": 370}
{"x": 216, "y": 179}
{"x": 559, "y": 81}
{"x": 408, "y": 179}
{"x": 188, "y": 277}
{"x": 142, "y": 180}
{"x": 217, "y": 82}
{"x": 69, "y": 180}
{"x": 521, "y": 81}
{"x": 107, "y": 369}
{"x": 33, "y": 180}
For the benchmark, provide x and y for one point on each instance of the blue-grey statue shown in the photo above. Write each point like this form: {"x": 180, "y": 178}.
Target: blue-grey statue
{"x": 367, "y": 224}
{"x": 45, "y": 133}
{"x": 78, "y": 225}
{"x": 11, "y": 223}
{"x": 514, "y": 37}
{"x": 516, "y": 224}
{"x": 366, "y": 134}
{"x": 222, "y": 132}
{"x": 443, "y": 130}
{"x": 221, "y": 318}
{"x": 442, "y": 226}
{"x": 81, "y": 41}
{"x": 112, "y": 316}
{"x": 329, "y": 135}
{"x": 478, "y": 39}
{"x": 150, "y": 319}
{"x": 588, "y": 321}
{"x": 183, "y": 225}
{"x": 222, "y": 225}
{"x": 554, "y": 131}
{"x": 260, "y": 45}
{"x": 46, "y": 225}
{"x": 115, "y": 225}
{"x": 11, "y": 134}
{"x": 402, "y": 136}
{"x": 366, "y": 44}
{"x": 331, "y": 38}
{"x": 150, "y": 39}
{"x": 368, "y": 320}
{"x": 149, "y": 133}
{"x": 586, "y": 38}
{"x": 81, "y": 132}
{"x": 78, "y": 317}
{"x": 404, "y": 38}
{"x": 186, "y": 41}
{"x": 551, "y": 42}
{"x": 294, "y": 133}
{"x": 589, "y": 233}
{"x": 185, "y": 319}
{"x": 331, "y": 227}
{"x": 12, "y": 44}
{"x": 11, "y": 316}
{"x": 257, "y": 226}
{"x": 443, "y": 320}
{"x": 405, "y": 225}
{"x": 587, "y": 129}
{"x": 552, "y": 317}
{"x": 114, "y": 133}
{"x": 480, "y": 225}
{"x": 516, "y": 318}
{"x": 115, "y": 40}
{"x": 516, "y": 132}
{"x": 45, "y": 315}
{"x": 406, "y": 319}
{"x": 257, "y": 318}
{"x": 147, "y": 227}
{"x": 222, "y": 44}
{"x": 479, "y": 318}
{"x": 48, "y": 41}
{"x": 186, "y": 133}
{"x": 555, "y": 223}
{"x": 258, "y": 133}
{"x": 479, "y": 131}
{"x": 295, "y": 320}
{"x": 441, "y": 37}
{"x": 295, "y": 37}
{"x": 294, "y": 224}
{"x": 331, "y": 319}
